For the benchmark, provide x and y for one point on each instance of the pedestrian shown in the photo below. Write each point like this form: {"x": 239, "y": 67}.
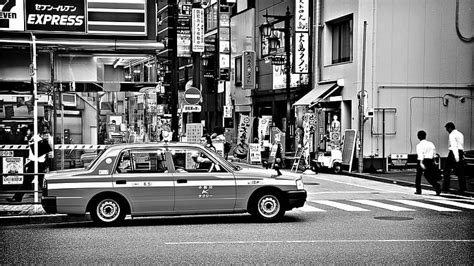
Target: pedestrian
{"x": 455, "y": 158}
{"x": 44, "y": 143}
{"x": 206, "y": 141}
{"x": 426, "y": 151}
{"x": 201, "y": 159}
{"x": 278, "y": 161}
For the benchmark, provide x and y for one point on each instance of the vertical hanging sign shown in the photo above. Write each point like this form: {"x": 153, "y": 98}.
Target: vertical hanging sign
{"x": 248, "y": 71}
{"x": 197, "y": 30}
{"x": 301, "y": 52}
{"x": 302, "y": 15}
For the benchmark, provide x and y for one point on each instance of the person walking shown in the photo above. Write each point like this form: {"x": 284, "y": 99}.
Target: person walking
{"x": 426, "y": 151}
{"x": 455, "y": 158}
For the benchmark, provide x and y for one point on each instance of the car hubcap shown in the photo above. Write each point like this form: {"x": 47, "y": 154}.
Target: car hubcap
{"x": 268, "y": 206}
{"x": 108, "y": 210}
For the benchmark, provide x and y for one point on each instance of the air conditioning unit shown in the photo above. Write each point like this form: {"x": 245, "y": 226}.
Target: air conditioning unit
{"x": 69, "y": 99}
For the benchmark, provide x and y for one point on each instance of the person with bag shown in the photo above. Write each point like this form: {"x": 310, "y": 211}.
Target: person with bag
{"x": 426, "y": 151}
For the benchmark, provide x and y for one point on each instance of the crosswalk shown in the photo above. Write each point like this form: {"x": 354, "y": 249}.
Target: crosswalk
{"x": 396, "y": 205}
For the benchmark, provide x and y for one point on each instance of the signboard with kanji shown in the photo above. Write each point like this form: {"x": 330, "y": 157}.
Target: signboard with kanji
{"x": 198, "y": 30}
{"x": 248, "y": 71}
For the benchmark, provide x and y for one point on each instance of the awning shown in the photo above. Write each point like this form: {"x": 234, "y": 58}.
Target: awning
{"x": 317, "y": 94}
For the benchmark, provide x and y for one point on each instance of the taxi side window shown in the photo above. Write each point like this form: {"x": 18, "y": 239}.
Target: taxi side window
{"x": 143, "y": 161}
{"x": 194, "y": 160}
{"x": 124, "y": 165}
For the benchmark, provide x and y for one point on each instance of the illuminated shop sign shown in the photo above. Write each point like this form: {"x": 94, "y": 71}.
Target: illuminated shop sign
{"x": 47, "y": 15}
{"x": 118, "y": 17}
{"x": 11, "y": 16}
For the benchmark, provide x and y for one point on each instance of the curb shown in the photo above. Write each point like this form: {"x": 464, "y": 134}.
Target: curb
{"x": 402, "y": 183}
{"x": 39, "y": 219}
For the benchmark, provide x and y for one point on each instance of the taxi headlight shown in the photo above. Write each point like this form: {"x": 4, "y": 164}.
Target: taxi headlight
{"x": 299, "y": 184}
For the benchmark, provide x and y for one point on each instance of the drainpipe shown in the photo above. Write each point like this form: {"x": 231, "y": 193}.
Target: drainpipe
{"x": 361, "y": 104}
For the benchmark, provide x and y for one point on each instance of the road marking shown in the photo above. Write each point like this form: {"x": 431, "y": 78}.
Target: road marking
{"x": 351, "y": 192}
{"x": 307, "y": 208}
{"x": 382, "y": 205}
{"x": 455, "y": 203}
{"x": 426, "y": 206}
{"x": 321, "y": 241}
{"x": 342, "y": 206}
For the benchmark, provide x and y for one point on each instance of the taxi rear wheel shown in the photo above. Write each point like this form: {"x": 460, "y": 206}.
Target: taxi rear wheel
{"x": 268, "y": 207}
{"x": 108, "y": 211}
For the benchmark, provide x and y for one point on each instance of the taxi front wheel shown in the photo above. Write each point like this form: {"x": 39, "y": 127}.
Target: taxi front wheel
{"x": 108, "y": 211}
{"x": 268, "y": 207}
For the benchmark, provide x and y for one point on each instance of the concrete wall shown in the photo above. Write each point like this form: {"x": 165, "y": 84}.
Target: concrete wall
{"x": 419, "y": 60}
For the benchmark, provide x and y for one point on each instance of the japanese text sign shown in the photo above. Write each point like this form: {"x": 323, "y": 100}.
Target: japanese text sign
{"x": 198, "y": 30}
{"x": 47, "y": 15}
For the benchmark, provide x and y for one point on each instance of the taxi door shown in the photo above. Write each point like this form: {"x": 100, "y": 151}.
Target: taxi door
{"x": 142, "y": 176}
{"x": 198, "y": 188}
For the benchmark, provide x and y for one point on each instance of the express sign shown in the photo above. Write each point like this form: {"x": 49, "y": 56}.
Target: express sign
{"x": 47, "y": 15}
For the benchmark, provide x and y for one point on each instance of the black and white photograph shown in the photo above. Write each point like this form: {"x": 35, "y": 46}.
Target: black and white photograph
{"x": 279, "y": 132}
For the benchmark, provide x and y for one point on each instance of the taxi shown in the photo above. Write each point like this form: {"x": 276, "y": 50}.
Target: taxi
{"x": 155, "y": 179}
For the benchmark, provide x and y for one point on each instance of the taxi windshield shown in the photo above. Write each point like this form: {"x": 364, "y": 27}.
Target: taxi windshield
{"x": 94, "y": 162}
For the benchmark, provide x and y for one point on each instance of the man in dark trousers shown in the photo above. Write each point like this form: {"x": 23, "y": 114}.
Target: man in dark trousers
{"x": 43, "y": 141}
{"x": 455, "y": 158}
{"x": 426, "y": 151}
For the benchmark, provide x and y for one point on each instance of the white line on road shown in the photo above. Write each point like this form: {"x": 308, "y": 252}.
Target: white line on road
{"x": 338, "y": 205}
{"x": 307, "y": 208}
{"x": 382, "y": 205}
{"x": 455, "y": 203}
{"x": 426, "y": 206}
{"x": 351, "y": 192}
{"x": 322, "y": 241}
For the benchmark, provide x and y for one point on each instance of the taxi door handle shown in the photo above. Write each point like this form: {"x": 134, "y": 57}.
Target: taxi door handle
{"x": 121, "y": 182}
{"x": 182, "y": 181}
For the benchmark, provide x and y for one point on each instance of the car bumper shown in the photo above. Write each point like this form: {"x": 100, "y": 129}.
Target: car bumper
{"x": 49, "y": 204}
{"x": 296, "y": 198}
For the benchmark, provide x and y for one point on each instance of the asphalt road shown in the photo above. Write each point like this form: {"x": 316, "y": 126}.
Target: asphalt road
{"x": 339, "y": 224}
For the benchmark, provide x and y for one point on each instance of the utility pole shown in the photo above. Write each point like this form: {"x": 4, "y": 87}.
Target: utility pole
{"x": 172, "y": 42}
{"x": 35, "y": 115}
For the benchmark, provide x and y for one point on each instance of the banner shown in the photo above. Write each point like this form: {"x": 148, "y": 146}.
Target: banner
{"x": 309, "y": 126}
{"x": 263, "y": 129}
{"x": 245, "y": 127}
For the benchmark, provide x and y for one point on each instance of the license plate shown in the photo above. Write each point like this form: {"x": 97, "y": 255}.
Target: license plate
{"x": 13, "y": 180}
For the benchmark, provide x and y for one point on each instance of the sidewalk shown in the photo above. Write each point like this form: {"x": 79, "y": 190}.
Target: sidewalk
{"x": 29, "y": 213}
{"x": 407, "y": 178}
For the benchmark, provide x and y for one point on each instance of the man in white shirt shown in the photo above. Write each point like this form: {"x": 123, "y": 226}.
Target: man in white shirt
{"x": 426, "y": 151}
{"x": 455, "y": 158}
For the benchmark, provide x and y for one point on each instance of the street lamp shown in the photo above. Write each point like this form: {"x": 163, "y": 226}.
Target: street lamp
{"x": 268, "y": 31}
